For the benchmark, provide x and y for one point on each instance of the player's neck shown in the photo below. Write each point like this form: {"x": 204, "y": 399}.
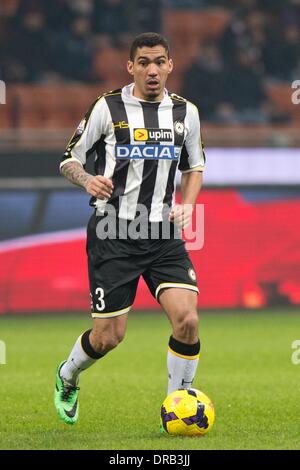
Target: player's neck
{"x": 137, "y": 94}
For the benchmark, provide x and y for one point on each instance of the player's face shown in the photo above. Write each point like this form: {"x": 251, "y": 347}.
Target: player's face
{"x": 150, "y": 70}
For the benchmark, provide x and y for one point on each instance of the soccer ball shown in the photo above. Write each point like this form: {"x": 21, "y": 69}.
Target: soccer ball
{"x": 187, "y": 412}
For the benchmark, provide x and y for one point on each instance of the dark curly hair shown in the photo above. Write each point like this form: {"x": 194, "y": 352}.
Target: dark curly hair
{"x": 148, "y": 40}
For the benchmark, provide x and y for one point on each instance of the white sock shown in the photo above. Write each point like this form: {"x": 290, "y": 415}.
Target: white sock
{"x": 181, "y": 367}
{"x": 77, "y": 361}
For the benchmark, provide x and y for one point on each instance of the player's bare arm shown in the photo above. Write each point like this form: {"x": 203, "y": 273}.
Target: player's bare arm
{"x": 97, "y": 186}
{"x": 191, "y": 184}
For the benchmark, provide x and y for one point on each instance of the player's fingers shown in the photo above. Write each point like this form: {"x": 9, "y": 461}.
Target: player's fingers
{"x": 104, "y": 189}
{"x": 105, "y": 181}
{"x": 179, "y": 212}
{"x": 179, "y": 217}
{"x": 103, "y": 194}
{"x": 99, "y": 192}
{"x": 179, "y": 223}
{"x": 101, "y": 188}
{"x": 187, "y": 220}
{"x": 92, "y": 192}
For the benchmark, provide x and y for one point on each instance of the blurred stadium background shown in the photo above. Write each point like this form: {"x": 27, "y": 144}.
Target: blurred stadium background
{"x": 236, "y": 60}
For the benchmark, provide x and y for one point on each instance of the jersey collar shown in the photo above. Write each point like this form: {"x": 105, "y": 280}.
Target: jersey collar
{"x": 127, "y": 92}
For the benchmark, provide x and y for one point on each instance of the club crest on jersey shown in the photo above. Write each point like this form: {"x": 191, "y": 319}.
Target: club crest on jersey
{"x": 179, "y": 127}
{"x": 153, "y": 135}
{"x": 192, "y": 274}
{"x": 148, "y": 152}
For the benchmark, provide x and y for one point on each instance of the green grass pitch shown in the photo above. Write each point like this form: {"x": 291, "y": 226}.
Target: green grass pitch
{"x": 245, "y": 368}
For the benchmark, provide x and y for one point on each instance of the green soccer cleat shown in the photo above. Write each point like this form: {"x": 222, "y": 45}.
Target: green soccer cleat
{"x": 162, "y": 429}
{"x": 66, "y": 399}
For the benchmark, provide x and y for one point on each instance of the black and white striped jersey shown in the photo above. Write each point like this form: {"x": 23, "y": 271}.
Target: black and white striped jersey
{"x": 138, "y": 144}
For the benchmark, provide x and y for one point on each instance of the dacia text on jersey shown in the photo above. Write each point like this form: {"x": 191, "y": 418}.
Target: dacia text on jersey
{"x": 154, "y": 152}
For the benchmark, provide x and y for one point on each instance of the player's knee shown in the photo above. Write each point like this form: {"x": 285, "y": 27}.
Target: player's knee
{"x": 110, "y": 343}
{"x": 186, "y": 329}
{"x": 103, "y": 343}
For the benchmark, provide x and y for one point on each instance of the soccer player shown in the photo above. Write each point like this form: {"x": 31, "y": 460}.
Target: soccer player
{"x": 138, "y": 136}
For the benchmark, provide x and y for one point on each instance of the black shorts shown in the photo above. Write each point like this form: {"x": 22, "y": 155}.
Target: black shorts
{"x": 115, "y": 266}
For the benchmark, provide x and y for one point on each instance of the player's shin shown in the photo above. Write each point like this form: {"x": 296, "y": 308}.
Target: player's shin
{"x": 182, "y": 364}
{"x": 81, "y": 358}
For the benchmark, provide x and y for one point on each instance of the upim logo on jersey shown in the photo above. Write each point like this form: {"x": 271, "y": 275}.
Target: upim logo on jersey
{"x": 153, "y": 135}
{"x": 154, "y": 152}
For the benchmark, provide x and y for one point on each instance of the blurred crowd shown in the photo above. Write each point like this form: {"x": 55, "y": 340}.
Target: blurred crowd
{"x": 260, "y": 45}
{"x": 44, "y": 41}
{"x": 59, "y": 40}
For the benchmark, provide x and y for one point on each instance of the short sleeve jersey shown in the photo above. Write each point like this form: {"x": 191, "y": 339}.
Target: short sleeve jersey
{"x": 139, "y": 145}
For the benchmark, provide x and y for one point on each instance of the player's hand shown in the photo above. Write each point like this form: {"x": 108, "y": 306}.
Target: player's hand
{"x": 181, "y": 215}
{"x": 99, "y": 187}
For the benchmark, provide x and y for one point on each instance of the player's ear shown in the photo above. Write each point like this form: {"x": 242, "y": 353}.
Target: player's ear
{"x": 130, "y": 67}
{"x": 171, "y": 65}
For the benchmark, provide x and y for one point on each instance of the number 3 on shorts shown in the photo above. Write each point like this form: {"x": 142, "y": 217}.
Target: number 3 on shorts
{"x": 100, "y": 294}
